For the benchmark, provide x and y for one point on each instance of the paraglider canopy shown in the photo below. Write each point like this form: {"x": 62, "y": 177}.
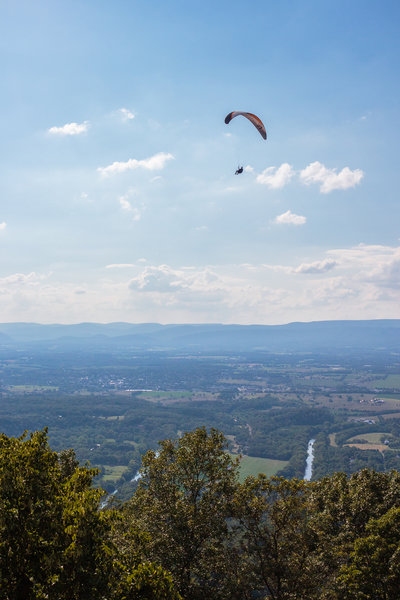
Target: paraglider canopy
{"x": 258, "y": 124}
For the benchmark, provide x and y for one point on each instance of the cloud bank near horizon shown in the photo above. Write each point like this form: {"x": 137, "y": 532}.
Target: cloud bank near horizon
{"x": 359, "y": 282}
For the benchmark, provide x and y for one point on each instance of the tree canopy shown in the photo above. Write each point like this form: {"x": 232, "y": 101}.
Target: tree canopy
{"x": 192, "y": 530}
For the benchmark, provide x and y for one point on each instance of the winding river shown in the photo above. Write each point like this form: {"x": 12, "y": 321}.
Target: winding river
{"x": 309, "y": 460}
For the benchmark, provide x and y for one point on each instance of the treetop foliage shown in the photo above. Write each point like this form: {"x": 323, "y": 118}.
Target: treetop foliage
{"x": 192, "y": 530}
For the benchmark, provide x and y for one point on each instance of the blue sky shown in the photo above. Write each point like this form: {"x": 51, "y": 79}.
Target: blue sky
{"x": 118, "y": 199}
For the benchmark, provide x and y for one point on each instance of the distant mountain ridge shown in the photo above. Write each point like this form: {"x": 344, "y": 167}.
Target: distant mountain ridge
{"x": 292, "y": 337}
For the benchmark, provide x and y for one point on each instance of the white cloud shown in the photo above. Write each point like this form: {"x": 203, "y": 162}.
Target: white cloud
{"x": 185, "y": 282}
{"x": 365, "y": 285}
{"x": 157, "y": 279}
{"x": 388, "y": 275}
{"x": 126, "y": 205}
{"x": 153, "y": 163}
{"x": 3, "y": 225}
{"x": 70, "y": 129}
{"x": 249, "y": 169}
{"x": 289, "y": 218}
{"x": 316, "y": 172}
{"x": 319, "y": 266}
{"x": 23, "y": 279}
{"x": 374, "y": 264}
{"x": 276, "y": 178}
{"x": 126, "y": 115}
{"x": 329, "y": 179}
{"x": 120, "y": 266}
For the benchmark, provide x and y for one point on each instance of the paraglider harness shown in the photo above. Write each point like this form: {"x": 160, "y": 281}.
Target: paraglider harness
{"x": 239, "y": 170}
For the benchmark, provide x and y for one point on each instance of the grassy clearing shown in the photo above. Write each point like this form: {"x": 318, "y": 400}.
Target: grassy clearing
{"x": 371, "y": 438}
{"x": 336, "y": 401}
{"x": 165, "y": 397}
{"x": 253, "y": 465}
{"x": 360, "y": 403}
{"x": 332, "y": 439}
{"x": 112, "y": 474}
{"x": 234, "y": 444}
{"x": 162, "y": 395}
{"x": 390, "y": 382}
{"x": 32, "y": 388}
{"x": 381, "y": 447}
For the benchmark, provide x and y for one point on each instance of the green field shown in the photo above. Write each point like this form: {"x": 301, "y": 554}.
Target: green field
{"x": 112, "y": 474}
{"x": 32, "y": 388}
{"x": 164, "y": 396}
{"x": 371, "y": 438}
{"x": 390, "y": 382}
{"x": 332, "y": 439}
{"x": 253, "y": 465}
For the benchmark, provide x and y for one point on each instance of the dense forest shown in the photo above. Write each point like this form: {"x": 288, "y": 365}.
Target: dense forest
{"x": 192, "y": 530}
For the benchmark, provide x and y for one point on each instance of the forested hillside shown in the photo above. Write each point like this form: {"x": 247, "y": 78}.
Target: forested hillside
{"x": 192, "y": 530}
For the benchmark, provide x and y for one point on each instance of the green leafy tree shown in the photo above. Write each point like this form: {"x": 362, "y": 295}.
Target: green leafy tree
{"x": 341, "y": 509}
{"x": 55, "y": 542}
{"x": 182, "y": 504}
{"x": 374, "y": 569}
{"x": 277, "y": 544}
{"x": 51, "y": 531}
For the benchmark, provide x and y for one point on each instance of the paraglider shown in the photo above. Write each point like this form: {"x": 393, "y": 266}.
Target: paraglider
{"x": 258, "y": 124}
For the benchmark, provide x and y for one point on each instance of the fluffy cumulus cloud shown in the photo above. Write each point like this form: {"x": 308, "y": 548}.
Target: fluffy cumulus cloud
{"x": 316, "y": 172}
{"x": 70, "y": 129}
{"x": 3, "y": 225}
{"x": 319, "y": 266}
{"x": 289, "y": 218}
{"x": 185, "y": 285}
{"x": 330, "y": 179}
{"x": 276, "y": 177}
{"x": 160, "y": 279}
{"x": 153, "y": 163}
{"x": 376, "y": 264}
